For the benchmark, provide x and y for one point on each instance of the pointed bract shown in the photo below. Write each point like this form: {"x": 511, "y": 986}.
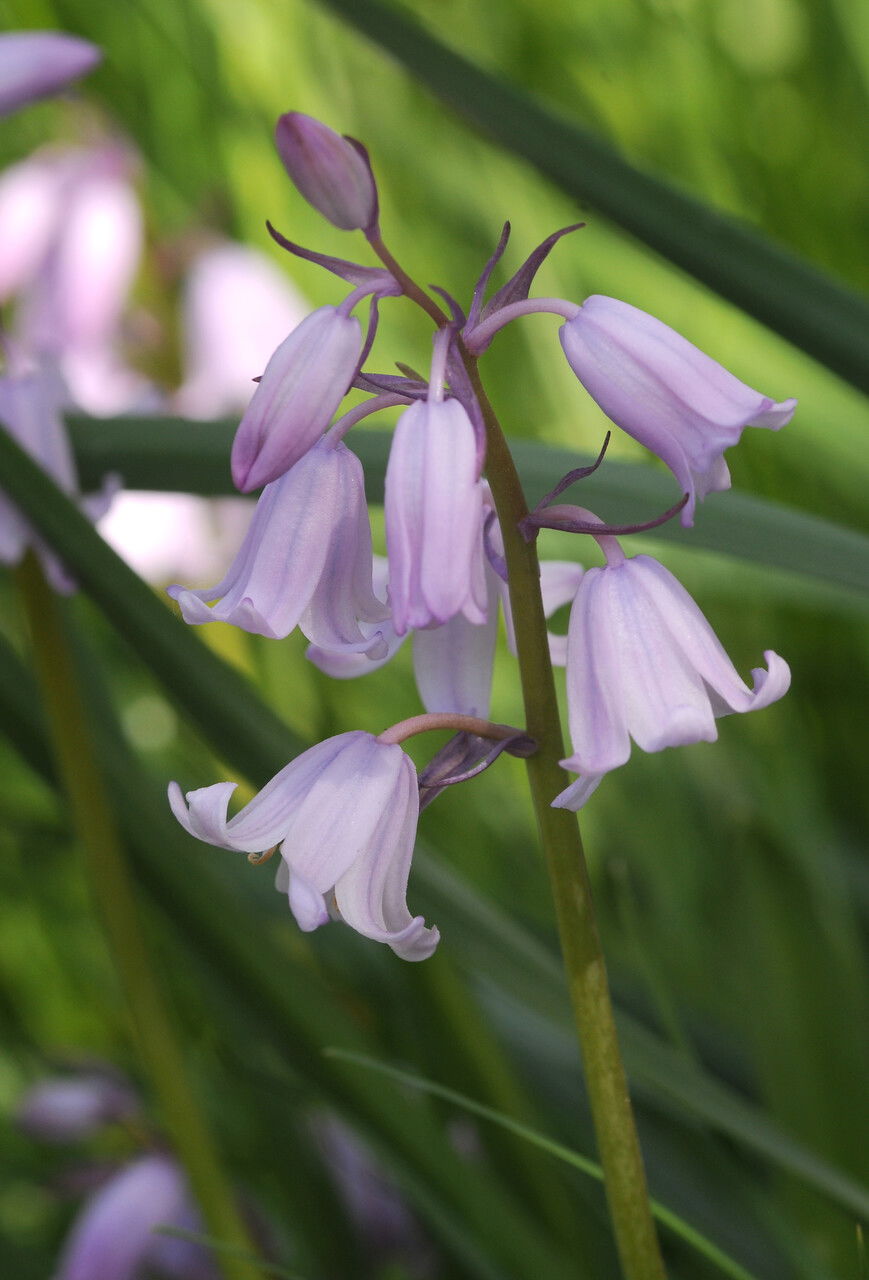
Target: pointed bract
{"x": 331, "y": 172}
{"x": 305, "y": 561}
{"x": 667, "y": 394}
{"x": 643, "y": 663}
{"x": 304, "y": 382}
{"x": 344, "y": 814}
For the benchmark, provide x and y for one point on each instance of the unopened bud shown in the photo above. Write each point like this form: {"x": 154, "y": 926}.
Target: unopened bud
{"x": 331, "y": 172}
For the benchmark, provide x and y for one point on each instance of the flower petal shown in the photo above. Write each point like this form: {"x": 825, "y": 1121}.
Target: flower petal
{"x": 37, "y": 64}
{"x": 663, "y": 391}
{"x": 372, "y": 893}
{"x": 304, "y": 382}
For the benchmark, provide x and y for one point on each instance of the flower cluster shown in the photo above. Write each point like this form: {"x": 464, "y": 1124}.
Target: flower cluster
{"x": 642, "y": 662}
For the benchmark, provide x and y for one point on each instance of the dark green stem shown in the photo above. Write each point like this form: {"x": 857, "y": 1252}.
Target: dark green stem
{"x": 114, "y": 893}
{"x": 619, "y": 1147}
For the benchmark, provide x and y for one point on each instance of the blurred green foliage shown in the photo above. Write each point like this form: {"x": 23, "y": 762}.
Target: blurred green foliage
{"x": 732, "y": 879}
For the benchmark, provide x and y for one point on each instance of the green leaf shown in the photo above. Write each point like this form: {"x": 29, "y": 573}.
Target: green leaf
{"x": 673, "y": 1221}
{"x": 789, "y": 295}
{"x": 171, "y": 454}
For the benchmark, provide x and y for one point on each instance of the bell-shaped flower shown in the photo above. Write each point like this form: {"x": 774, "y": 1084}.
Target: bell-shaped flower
{"x": 344, "y": 814}
{"x": 37, "y": 64}
{"x": 331, "y": 172}
{"x": 115, "y": 1236}
{"x": 305, "y": 560}
{"x": 434, "y": 511}
{"x": 452, "y": 663}
{"x": 643, "y": 663}
{"x": 663, "y": 391}
{"x": 303, "y": 384}
{"x": 31, "y": 408}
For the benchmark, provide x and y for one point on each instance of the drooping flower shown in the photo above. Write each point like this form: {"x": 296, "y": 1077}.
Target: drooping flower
{"x": 31, "y": 411}
{"x": 434, "y": 511}
{"x": 114, "y": 1236}
{"x": 663, "y": 391}
{"x": 643, "y": 663}
{"x": 37, "y": 64}
{"x": 344, "y": 814}
{"x": 303, "y": 384}
{"x": 305, "y": 561}
{"x": 331, "y": 172}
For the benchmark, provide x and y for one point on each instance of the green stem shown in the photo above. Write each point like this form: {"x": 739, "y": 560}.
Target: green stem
{"x": 113, "y": 889}
{"x": 619, "y": 1147}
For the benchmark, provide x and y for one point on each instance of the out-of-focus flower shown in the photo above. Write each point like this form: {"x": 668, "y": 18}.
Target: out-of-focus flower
{"x": 644, "y": 663}
{"x": 30, "y": 410}
{"x": 331, "y": 172}
{"x": 70, "y": 242}
{"x": 303, "y": 384}
{"x": 37, "y": 64}
{"x": 434, "y": 511}
{"x": 68, "y": 1108}
{"x": 306, "y": 560}
{"x": 664, "y": 392}
{"x": 114, "y": 1236}
{"x": 344, "y": 814}
{"x": 381, "y": 1215}
{"x": 237, "y": 307}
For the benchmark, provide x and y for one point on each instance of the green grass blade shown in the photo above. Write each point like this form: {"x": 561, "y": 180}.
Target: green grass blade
{"x": 191, "y": 457}
{"x": 665, "y": 1216}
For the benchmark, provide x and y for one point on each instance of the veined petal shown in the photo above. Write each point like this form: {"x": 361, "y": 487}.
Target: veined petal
{"x": 692, "y": 634}
{"x": 453, "y": 663}
{"x": 286, "y": 552}
{"x": 346, "y": 661}
{"x": 433, "y": 514}
{"x": 344, "y": 595}
{"x": 334, "y": 820}
{"x": 372, "y": 893}
{"x": 663, "y": 391}
{"x": 265, "y": 820}
{"x": 597, "y": 724}
{"x": 303, "y": 384}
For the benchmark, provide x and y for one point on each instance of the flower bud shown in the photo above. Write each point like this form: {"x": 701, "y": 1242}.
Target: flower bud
{"x": 304, "y": 382}
{"x": 37, "y": 64}
{"x": 328, "y": 170}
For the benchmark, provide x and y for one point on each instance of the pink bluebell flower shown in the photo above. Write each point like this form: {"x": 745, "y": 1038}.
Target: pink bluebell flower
{"x": 37, "y": 64}
{"x": 434, "y": 511}
{"x": 344, "y": 814}
{"x": 665, "y": 392}
{"x": 332, "y": 172}
{"x": 303, "y": 384}
{"x": 643, "y": 663}
{"x": 305, "y": 561}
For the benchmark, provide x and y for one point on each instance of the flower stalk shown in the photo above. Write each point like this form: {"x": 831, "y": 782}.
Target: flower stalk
{"x": 109, "y": 876}
{"x": 621, "y": 1158}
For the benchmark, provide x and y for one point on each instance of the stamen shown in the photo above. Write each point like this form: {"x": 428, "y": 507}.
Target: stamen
{"x": 257, "y": 859}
